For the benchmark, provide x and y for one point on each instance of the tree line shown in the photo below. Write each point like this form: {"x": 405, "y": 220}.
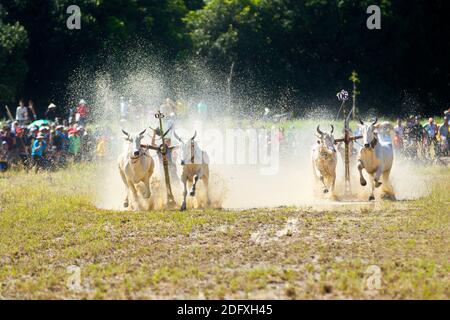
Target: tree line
{"x": 297, "y": 51}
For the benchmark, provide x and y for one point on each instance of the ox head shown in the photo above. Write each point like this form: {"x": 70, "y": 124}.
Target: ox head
{"x": 189, "y": 149}
{"x": 326, "y": 140}
{"x": 368, "y": 132}
{"x": 135, "y": 143}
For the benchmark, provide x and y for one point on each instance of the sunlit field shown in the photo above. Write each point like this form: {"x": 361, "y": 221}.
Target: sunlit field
{"x": 55, "y": 244}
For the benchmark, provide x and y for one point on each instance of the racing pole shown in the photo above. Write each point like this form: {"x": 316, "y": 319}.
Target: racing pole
{"x": 343, "y": 96}
{"x": 163, "y": 148}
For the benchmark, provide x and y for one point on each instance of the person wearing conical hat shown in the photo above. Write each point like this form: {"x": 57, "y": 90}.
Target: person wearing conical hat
{"x": 37, "y": 151}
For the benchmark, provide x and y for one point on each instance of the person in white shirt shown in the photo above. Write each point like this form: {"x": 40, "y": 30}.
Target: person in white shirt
{"x": 22, "y": 113}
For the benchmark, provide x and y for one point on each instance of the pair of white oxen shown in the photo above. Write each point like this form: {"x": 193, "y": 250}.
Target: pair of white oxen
{"x": 375, "y": 157}
{"x": 136, "y": 166}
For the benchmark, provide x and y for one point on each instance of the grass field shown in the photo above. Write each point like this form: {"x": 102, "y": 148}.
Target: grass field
{"x": 54, "y": 244}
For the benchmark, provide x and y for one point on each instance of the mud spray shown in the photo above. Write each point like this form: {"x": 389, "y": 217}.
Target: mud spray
{"x": 248, "y": 169}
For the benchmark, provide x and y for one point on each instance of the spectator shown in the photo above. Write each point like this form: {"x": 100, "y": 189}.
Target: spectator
{"x": 22, "y": 115}
{"x": 14, "y": 127}
{"x": 3, "y": 156}
{"x": 23, "y": 145}
{"x": 202, "y": 110}
{"x": 31, "y": 108}
{"x": 51, "y": 111}
{"x": 74, "y": 143}
{"x": 443, "y": 128}
{"x": 81, "y": 113}
{"x": 123, "y": 109}
{"x": 59, "y": 140}
{"x": 100, "y": 150}
{"x": 431, "y": 130}
{"x": 417, "y": 131}
{"x": 443, "y": 136}
{"x": 9, "y": 138}
{"x": 37, "y": 152}
{"x": 399, "y": 131}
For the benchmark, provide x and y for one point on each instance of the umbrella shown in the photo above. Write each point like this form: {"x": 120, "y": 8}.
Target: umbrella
{"x": 39, "y": 123}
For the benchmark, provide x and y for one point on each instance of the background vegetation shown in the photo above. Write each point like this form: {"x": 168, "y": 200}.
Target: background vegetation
{"x": 299, "y": 51}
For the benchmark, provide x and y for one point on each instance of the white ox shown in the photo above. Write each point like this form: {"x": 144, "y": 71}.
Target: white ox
{"x": 324, "y": 160}
{"x": 195, "y": 163}
{"x": 376, "y": 157}
{"x": 135, "y": 166}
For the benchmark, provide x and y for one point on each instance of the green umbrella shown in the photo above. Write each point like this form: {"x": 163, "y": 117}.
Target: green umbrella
{"x": 38, "y": 123}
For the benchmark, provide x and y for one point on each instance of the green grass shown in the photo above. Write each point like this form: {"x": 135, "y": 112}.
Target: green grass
{"x": 48, "y": 223}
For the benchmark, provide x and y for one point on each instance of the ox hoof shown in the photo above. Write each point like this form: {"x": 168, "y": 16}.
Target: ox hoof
{"x": 125, "y": 204}
{"x": 371, "y": 198}
{"x": 363, "y": 182}
{"x": 183, "y": 207}
{"x": 377, "y": 184}
{"x": 325, "y": 190}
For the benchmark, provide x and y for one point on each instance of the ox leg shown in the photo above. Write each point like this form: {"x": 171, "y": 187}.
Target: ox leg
{"x": 362, "y": 181}
{"x": 325, "y": 189}
{"x": 206, "y": 183}
{"x": 147, "y": 188}
{"x": 372, "y": 197}
{"x": 124, "y": 179}
{"x": 184, "y": 181}
{"x": 333, "y": 183}
{"x": 194, "y": 185}
{"x": 377, "y": 178}
{"x": 388, "y": 191}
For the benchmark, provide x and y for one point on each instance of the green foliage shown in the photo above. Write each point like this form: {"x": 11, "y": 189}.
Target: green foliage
{"x": 13, "y": 68}
{"x": 305, "y": 47}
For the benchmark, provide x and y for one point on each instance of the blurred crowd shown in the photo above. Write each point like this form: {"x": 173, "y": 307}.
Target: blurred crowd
{"x": 417, "y": 139}
{"x": 48, "y": 143}
{"x": 53, "y": 141}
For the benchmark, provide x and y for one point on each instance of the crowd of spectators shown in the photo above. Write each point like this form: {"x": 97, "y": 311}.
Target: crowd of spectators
{"x": 48, "y": 143}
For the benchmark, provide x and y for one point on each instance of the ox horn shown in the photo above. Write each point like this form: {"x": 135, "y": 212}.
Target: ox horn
{"x": 332, "y": 128}
{"x": 142, "y": 133}
{"x": 360, "y": 121}
{"x": 177, "y": 137}
{"x": 376, "y": 120}
{"x": 319, "y": 131}
{"x": 195, "y": 134}
{"x": 125, "y": 133}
